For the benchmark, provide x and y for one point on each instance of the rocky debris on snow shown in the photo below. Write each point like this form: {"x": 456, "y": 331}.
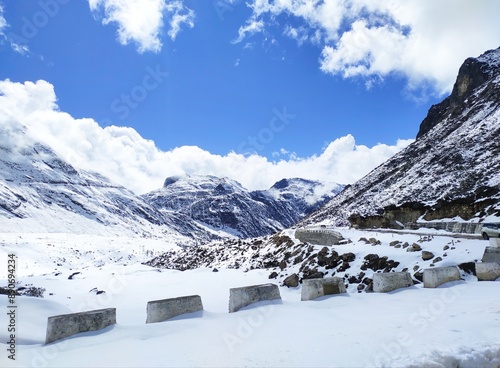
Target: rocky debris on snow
{"x": 427, "y": 256}
{"x": 290, "y": 261}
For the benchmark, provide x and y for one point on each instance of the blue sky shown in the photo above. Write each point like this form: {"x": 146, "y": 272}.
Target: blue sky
{"x": 280, "y": 80}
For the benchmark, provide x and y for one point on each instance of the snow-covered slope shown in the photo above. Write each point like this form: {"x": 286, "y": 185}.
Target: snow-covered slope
{"x": 455, "y": 325}
{"x": 224, "y": 205}
{"x": 451, "y": 170}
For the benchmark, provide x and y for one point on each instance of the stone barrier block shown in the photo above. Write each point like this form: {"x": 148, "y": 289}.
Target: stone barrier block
{"x": 59, "y": 327}
{"x": 161, "y": 310}
{"x": 388, "y": 281}
{"x": 487, "y": 271}
{"x": 491, "y": 254}
{"x": 433, "y": 277}
{"x": 315, "y": 288}
{"x": 495, "y": 242}
{"x": 243, "y": 296}
{"x": 318, "y": 237}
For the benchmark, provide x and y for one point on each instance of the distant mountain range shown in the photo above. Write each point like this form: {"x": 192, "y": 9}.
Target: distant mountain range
{"x": 224, "y": 205}
{"x": 39, "y": 192}
{"x": 451, "y": 170}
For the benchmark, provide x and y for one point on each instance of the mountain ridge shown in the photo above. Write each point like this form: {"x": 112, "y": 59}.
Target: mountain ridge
{"x": 451, "y": 170}
{"x": 41, "y": 192}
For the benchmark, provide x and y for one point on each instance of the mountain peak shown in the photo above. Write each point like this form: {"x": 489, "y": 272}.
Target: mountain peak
{"x": 450, "y": 171}
{"x": 473, "y": 73}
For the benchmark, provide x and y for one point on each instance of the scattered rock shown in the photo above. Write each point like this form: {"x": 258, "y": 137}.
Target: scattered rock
{"x": 273, "y": 275}
{"x": 426, "y": 255}
{"x": 405, "y": 245}
{"x": 353, "y": 280}
{"x": 298, "y": 259}
{"x": 361, "y": 287}
{"x": 344, "y": 266}
{"x": 73, "y": 275}
{"x": 215, "y": 270}
{"x": 364, "y": 240}
{"x": 369, "y": 284}
{"x": 397, "y": 246}
{"x": 437, "y": 259}
{"x": 469, "y": 267}
{"x": 446, "y": 247}
{"x": 348, "y": 257}
{"x": 291, "y": 281}
{"x": 374, "y": 241}
{"x": 414, "y": 248}
{"x": 282, "y": 265}
{"x": 416, "y": 267}
{"x": 419, "y": 276}
{"x": 394, "y": 243}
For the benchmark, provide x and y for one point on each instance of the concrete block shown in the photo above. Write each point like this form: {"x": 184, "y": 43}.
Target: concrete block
{"x": 59, "y": 327}
{"x": 314, "y": 288}
{"x": 495, "y": 242}
{"x": 488, "y": 271}
{"x": 388, "y": 281}
{"x": 491, "y": 254}
{"x": 243, "y": 296}
{"x": 318, "y": 236}
{"x": 161, "y": 310}
{"x": 433, "y": 277}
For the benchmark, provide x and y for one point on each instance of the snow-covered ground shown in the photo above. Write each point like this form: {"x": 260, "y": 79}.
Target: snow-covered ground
{"x": 457, "y": 324}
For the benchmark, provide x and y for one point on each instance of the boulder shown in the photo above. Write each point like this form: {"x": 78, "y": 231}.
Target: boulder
{"x": 291, "y": 281}
{"x": 426, "y": 255}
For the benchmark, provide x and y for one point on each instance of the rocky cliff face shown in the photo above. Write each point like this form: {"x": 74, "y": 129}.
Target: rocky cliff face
{"x": 452, "y": 169}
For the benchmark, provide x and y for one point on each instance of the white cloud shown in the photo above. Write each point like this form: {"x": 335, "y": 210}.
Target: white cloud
{"x": 126, "y": 158}
{"x": 423, "y": 40}
{"x": 3, "y": 22}
{"x": 141, "y": 21}
{"x": 17, "y": 47}
{"x": 249, "y": 29}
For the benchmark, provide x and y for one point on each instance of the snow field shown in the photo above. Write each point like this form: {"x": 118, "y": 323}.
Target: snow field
{"x": 457, "y": 322}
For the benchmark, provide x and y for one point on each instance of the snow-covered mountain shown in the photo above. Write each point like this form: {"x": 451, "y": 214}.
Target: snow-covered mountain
{"x": 451, "y": 170}
{"x": 224, "y": 205}
{"x": 39, "y": 192}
